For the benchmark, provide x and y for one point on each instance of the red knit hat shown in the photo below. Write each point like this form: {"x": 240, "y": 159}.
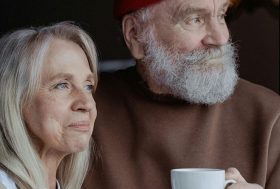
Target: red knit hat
{"x": 122, "y": 7}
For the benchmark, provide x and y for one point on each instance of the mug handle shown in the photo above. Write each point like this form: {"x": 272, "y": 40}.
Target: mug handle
{"x": 229, "y": 182}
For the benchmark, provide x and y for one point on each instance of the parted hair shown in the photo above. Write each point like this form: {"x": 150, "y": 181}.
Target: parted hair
{"x": 22, "y": 54}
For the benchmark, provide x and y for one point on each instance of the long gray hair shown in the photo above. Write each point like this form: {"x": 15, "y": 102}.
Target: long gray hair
{"x": 21, "y": 58}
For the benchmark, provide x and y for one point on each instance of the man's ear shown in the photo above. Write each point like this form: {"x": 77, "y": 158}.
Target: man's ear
{"x": 131, "y": 29}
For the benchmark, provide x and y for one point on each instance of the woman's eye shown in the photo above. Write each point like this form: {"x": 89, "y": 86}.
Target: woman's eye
{"x": 89, "y": 88}
{"x": 61, "y": 86}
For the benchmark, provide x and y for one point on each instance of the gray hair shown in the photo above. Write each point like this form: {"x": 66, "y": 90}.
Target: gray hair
{"x": 21, "y": 59}
{"x": 143, "y": 15}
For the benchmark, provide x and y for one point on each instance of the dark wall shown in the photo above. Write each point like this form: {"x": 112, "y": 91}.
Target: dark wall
{"x": 256, "y": 31}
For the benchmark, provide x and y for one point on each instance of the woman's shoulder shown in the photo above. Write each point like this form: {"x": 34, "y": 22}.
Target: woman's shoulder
{"x": 5, "y": 181}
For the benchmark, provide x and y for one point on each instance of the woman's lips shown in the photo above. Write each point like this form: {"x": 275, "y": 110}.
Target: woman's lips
{"x": 81, "y": 126}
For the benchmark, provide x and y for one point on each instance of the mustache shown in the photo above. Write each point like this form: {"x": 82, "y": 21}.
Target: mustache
{"x": 204, "y": 55}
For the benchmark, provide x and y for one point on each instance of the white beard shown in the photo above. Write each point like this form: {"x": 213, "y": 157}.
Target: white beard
{"x": 203, "y": 76}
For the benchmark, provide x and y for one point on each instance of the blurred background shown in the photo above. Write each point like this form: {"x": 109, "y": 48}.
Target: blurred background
{"x": 254, "y": 26}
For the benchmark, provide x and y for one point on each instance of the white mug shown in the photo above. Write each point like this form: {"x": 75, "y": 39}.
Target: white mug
{"x": 197, "y": 178}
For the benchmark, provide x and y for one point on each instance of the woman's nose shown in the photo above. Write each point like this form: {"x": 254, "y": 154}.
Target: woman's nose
{"x": 83, "y": 101}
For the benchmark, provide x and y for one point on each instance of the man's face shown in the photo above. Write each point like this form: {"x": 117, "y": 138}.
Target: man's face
{"x": 187, "y": 54}
{"x": 188, "y": 25}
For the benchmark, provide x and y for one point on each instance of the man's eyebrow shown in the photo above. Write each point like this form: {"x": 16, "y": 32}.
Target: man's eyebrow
{"x": 225, "y": 6}
{"x": 181, "y": 11}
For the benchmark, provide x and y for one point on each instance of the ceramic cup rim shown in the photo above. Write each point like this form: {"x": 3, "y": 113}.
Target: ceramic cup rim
{"x": 197, "y": 170}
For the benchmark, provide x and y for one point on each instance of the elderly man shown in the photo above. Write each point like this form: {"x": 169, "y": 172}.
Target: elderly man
{"x": 183, "y": 104}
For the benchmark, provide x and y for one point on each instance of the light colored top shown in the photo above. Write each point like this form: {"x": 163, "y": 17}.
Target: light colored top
{"x": 6, "y": 182}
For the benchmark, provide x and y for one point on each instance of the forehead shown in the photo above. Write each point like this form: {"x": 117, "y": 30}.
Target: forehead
{"x": 63, "y": 51}
{"x": 65, "y": 56}
{"x": 173, "y": 6}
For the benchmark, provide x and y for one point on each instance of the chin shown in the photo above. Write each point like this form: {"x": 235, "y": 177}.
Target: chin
{"x": 79, "y": 146}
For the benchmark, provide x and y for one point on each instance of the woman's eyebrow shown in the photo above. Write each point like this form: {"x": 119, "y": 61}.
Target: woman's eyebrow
{"x": 91, "y": 77}
{"x": 60, "y": 75}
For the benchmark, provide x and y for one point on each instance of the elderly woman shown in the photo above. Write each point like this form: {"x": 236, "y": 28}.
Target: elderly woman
{"x": 47, "y": 77}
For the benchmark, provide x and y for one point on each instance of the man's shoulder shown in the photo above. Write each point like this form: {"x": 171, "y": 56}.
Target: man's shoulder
{"x": 247, "y": 91}
{"x": 256, "y": 89}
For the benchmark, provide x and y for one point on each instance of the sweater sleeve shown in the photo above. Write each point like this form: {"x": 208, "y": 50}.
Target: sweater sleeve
{"x": 6, "y": 182}
{"x": 273, "y": 174}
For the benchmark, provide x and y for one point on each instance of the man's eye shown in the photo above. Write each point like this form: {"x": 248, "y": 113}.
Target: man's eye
{"x": 222, "y": 16}
{"x": 61, "y": 86}
{"x": 195, "y": 20}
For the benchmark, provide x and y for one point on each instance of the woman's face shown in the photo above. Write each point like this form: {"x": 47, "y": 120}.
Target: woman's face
{"x": 62, "y": 113}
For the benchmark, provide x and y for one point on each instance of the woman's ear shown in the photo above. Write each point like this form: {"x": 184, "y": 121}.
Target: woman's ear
{"x": 131, "y": 30}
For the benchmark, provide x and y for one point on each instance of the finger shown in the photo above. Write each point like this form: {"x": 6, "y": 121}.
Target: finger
{"x": 244, "y": 185}
{"x": 233, "y": 173}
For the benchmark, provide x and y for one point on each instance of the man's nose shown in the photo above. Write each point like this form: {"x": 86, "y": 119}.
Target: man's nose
{"x": 217, "y": 34}
{"x": 83, "y": 101}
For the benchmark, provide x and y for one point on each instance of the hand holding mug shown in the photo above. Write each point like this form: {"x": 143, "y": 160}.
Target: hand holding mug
{"x": 233, "y": 173}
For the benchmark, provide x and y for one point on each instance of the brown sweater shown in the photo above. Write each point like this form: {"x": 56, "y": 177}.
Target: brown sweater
{"x": 141, "y": 136}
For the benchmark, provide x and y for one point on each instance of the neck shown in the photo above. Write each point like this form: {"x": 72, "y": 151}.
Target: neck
{"x": 153, "y": 86}
{"x": 51, "y": 161}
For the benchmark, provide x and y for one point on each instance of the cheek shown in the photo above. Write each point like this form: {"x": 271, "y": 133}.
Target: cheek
{"x": 189, "y": 43}
{"x": 226, "y": 32}
{"x": 181, "y": 40}
{"x": 44, "y": 119}
{"x": 93, "y": 115}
